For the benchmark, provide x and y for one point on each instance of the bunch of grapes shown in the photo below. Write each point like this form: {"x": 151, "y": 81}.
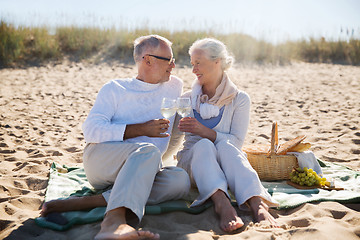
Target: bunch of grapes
{"x": 307, "y": 177}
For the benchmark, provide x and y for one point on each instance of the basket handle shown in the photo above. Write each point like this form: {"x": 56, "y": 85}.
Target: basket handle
{"x": 274, "y": 139}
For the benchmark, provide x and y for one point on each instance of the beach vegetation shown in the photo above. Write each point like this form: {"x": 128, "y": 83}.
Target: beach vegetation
{"x": 37, "y": 45}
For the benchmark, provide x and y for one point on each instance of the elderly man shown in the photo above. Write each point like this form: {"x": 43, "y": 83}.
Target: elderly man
{"x": 126, "y": 137}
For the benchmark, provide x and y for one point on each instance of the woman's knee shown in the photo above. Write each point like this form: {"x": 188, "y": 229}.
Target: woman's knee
{"x": 226, "y": 147}
{"x": 204, "y": 154}
{"x": 224, "y": 143}
{"x": 203, "y": 149}
{"x": 228, "y": 153}
{"x": 205, "y": 144}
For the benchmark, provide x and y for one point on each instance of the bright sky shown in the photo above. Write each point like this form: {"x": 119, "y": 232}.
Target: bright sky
{"x": 272, "y": 20}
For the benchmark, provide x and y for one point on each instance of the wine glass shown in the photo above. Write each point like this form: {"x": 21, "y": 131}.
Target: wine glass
{"x": 183, "y": 106}
{"x": 168, "y": 107}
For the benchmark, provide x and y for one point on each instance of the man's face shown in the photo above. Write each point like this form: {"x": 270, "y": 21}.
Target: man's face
{"x": 163, "y": 63}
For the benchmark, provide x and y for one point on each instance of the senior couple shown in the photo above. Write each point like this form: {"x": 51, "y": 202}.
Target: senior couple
{"x": 126, "y": 138}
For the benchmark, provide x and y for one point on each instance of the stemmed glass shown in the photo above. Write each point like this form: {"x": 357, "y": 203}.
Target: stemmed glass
{"x": 183, "y": 106}
{"x": 168, "y": 107}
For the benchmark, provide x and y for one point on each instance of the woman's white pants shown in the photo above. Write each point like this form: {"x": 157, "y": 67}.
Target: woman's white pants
{"x": 134, "y": 170}
{"x": 221, "y": 166}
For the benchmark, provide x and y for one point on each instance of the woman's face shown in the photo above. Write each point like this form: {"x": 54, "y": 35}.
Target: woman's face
{"x": 206, "y": 70}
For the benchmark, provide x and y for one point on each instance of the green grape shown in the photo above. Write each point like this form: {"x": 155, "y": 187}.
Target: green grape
{"x": 307, "y": 177}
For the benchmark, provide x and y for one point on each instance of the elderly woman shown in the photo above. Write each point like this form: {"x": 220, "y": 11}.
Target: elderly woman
{"x": 215, "y": 133}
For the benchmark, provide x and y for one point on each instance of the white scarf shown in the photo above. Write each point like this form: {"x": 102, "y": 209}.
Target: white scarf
{"x": 208, "y": 108}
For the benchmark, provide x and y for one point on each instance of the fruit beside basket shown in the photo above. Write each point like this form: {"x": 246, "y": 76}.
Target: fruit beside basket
{"x": 272, "y": 162}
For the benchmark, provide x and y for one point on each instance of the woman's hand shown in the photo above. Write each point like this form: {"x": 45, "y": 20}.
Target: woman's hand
{"x": 191, "y": 125}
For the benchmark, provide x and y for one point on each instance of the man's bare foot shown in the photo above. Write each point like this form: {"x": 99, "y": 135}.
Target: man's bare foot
{"x": 114, "y": 226}
{"x": 261, "y": 211}
{"x": 72, "y": 204}
{"x": 229, "y": 220}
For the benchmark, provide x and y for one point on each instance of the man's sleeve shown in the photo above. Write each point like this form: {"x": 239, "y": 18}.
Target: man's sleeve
{"x": 98, "y": 126}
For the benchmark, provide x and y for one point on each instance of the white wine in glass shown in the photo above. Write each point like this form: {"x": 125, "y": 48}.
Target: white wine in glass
{"x": 183, "y": 106}
{"x": 168, "y": 107}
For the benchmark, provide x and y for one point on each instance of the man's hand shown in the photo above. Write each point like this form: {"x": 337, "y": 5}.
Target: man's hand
{"x": 152, "y": 128}
{"x": 156, "y": 128}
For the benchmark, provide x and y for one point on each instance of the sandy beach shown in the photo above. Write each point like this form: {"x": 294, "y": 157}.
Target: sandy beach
{"x": 43, "y": 108}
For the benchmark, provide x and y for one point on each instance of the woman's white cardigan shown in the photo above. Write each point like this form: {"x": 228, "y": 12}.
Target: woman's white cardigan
{"x": 232, "y": 126}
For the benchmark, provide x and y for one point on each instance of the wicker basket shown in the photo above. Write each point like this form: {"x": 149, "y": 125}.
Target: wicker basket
{"x": 271, "y": 166}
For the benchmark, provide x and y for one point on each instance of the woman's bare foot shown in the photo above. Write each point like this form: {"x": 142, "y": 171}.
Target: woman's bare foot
{"x": 261, "y": 211}
{"x": 114, "y": 226}
{"x": 229, "y": 220}
{"x": 72, "y": 204}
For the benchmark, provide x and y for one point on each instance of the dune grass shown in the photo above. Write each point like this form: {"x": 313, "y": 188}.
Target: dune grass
{"x": 24, "y": 45}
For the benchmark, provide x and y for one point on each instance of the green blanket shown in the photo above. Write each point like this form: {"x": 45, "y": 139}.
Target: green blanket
{"x": 72, "y": 182}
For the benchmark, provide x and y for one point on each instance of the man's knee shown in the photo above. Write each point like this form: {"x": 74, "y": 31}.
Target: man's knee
{"x": 148, "y": 147}
{"x": 149, "y": 151}
{"x": 180, "y": 181}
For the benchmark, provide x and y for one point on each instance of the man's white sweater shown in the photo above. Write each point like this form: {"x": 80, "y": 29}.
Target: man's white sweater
{"x": 129, "y": 101}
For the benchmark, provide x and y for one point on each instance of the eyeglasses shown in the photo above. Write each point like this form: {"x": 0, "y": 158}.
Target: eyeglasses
{"x": 169, "y": 60}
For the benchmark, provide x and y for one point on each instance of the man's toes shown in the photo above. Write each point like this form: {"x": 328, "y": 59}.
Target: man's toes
{"x": 148, "y": 234}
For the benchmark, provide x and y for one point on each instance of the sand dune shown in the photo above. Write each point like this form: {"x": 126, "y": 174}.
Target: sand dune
{"x": 42, "y": 109}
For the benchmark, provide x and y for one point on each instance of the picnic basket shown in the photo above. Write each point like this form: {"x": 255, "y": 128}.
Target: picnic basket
{"x": 271, "y": 162}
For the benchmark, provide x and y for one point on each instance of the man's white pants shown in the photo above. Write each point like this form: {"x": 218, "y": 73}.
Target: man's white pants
{"x": 221, "y": 166}
{"x": 134, "y": 170}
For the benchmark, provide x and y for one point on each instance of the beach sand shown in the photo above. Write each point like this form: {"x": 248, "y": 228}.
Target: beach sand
{"x": 43, "y": 108}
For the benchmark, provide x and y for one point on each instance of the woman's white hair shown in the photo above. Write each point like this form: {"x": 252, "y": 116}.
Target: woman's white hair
{"x": 214, "y": 49}
{"x": 144, "y": 43}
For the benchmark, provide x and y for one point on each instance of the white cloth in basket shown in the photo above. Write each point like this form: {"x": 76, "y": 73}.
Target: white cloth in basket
{"x": 308, "y": 159}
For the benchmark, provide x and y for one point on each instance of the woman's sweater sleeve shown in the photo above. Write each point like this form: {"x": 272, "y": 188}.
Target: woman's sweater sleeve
{"x": 239, "y": 121}
{"x": 98, "y": 126}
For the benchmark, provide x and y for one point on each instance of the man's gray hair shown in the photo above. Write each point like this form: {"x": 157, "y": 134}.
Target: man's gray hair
{"x": 144, "y": 43}
{"x": 214, "y": 49}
